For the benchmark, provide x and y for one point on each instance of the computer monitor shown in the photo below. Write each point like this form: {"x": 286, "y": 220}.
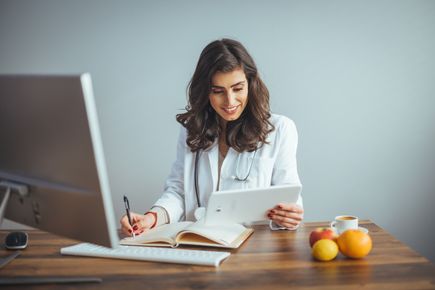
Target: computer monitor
{"x": 52, "y": 169}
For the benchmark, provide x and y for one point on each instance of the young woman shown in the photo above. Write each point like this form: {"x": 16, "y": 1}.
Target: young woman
{"x": 228, "y": 140}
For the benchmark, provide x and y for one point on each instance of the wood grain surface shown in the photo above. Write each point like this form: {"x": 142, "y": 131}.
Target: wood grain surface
{"x": 267, "y": 260}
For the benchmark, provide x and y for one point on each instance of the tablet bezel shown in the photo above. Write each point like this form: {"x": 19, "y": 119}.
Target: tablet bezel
{"x": 248, "y": 206}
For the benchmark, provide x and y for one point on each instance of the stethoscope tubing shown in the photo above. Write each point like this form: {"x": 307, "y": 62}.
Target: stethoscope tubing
{"x": 236, "y": 177}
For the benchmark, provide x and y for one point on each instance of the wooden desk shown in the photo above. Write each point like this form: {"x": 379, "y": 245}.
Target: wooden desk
{"x": 268, "y": 260}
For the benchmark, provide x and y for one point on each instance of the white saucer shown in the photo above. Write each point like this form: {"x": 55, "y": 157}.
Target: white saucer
{"x": 364, "y": 230}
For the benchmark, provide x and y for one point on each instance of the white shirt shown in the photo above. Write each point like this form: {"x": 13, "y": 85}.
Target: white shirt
{"x": 274, "y": 164}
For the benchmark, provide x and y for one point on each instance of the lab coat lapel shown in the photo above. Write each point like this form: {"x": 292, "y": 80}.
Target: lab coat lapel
{"x": 213, "y": 155}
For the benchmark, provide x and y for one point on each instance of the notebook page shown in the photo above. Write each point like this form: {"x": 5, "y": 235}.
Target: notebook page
{"x": 223, "y": 233}
{"x": 162, "y": 233}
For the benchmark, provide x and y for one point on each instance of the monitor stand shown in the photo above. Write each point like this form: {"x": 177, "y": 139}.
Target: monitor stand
{"x": 22, "y": 190}
{"x": 11, "y": 187}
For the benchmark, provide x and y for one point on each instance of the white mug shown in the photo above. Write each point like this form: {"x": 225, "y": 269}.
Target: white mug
{"x": 342, "y": 223}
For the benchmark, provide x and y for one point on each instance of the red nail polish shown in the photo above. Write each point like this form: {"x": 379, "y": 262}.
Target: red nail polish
{"x": 135, "y": 227}
{"x": 129, "y": 231}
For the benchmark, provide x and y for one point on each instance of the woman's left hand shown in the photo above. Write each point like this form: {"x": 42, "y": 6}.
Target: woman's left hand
{"x": 287, "y": 215}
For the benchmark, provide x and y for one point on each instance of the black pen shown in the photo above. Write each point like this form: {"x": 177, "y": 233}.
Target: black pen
{"x": 127, "y": 209}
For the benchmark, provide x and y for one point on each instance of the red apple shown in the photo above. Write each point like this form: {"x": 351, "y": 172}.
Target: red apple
{"x": 322, "y": 233}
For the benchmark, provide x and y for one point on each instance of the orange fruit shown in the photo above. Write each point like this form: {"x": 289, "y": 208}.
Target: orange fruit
{"x": 325, "y": 250}
{"x": 354, "y": 244}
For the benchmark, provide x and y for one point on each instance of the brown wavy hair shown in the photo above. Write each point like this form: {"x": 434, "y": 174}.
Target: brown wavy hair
{"x": 250, "y": 130}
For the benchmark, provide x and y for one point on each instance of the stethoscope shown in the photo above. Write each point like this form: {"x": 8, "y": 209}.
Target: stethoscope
{"x": 235, "y": 177}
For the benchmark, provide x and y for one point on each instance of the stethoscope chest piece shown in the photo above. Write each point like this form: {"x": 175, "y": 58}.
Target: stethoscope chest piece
{"x": 199, "y": 213}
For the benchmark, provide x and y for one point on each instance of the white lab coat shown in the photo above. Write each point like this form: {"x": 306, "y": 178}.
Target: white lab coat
{"x": 274, "y": 164}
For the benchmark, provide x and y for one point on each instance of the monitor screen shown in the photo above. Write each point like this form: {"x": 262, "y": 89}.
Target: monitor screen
{"x": 50, "y": 143}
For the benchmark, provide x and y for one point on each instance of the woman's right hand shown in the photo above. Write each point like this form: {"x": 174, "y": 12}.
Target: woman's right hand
{"x": 140, "y": 223}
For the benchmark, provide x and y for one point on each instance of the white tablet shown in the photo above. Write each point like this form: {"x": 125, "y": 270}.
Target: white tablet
{"x": 248, "y": 205}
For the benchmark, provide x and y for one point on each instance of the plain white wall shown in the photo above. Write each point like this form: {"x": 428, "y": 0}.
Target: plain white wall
{"x": 357, "y": 77}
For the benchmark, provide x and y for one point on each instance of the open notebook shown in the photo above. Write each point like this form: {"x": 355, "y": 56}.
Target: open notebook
{"x": 192, "y": 233}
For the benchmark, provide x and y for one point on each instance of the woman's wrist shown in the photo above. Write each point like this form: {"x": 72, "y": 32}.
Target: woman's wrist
{"x": 162, "y": 215}
{"x": 153, "y": 216}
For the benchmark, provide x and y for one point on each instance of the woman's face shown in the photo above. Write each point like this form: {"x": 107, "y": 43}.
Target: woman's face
{"x": 229, "y": 94}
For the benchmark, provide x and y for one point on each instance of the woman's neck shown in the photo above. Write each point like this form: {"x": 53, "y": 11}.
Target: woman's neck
{"x": 223, "y": 124}
{"x": 223, "y": 147}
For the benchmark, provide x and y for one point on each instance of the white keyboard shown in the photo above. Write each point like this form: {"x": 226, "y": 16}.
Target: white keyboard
{"x": 167, "y": 255}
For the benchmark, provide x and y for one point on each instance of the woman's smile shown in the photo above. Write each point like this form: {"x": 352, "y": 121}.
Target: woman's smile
{"x": 231, "y": 110}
